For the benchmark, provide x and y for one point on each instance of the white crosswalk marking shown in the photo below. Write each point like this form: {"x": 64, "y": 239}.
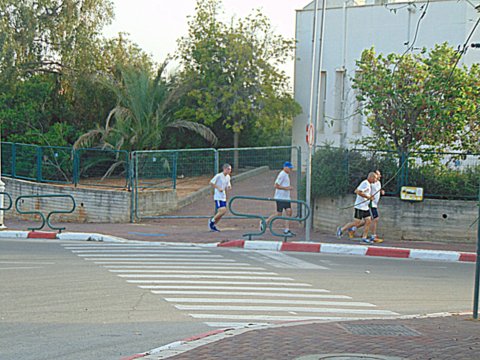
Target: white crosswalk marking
{"x": 211, "y": 287}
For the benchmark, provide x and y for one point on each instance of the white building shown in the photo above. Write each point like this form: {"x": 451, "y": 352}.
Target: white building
{"x": 354, "y": 25}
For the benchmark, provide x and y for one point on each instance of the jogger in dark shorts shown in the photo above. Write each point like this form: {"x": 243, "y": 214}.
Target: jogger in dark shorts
{"x": 362, "y": 208}
{"x": 282, "y": 196}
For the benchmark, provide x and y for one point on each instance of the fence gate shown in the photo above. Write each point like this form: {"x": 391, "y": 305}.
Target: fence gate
{"x": 175, "y": 183}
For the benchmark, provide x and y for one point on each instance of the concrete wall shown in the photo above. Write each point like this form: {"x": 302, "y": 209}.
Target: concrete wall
{"x": 93, "y": 205}
{"x": 432, "y": 220}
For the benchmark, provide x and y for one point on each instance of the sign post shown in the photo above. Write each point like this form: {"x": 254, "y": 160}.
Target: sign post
{"x": 477, "y": 267}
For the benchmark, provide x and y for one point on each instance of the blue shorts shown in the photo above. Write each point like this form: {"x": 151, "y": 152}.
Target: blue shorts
{"x": 220, "y": 204}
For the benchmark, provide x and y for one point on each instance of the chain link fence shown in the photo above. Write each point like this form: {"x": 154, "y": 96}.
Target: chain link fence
{"x": 445, "y": 175}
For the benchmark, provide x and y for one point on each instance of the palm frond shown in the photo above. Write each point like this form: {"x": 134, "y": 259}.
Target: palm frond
{"x": 199, "y": 129}
{"x": 88, "y": 138}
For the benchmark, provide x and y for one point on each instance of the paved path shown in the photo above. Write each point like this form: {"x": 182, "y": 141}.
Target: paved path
{"x": 452, "y": 337}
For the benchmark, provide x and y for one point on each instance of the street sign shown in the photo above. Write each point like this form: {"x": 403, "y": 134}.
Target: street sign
{"x": 310, "y": 135}
{"x": 411, "y": 193}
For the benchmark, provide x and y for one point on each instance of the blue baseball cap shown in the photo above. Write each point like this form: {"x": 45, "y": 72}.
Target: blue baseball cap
{"x": 288, "y": 164}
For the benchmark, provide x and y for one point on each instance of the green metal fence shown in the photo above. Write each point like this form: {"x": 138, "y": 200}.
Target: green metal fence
{"x": 446, "y": 175}
{"x": 102, "y": 167}
{"x": 188, "y": 171}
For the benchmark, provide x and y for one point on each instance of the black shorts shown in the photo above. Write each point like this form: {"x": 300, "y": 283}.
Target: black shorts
{"x": 283, "y": 205}
{"x": 374, "y": 212}
{"x": 361, "y": 214}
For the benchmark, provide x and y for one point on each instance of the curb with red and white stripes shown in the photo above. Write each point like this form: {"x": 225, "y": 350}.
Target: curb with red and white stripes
{"x": 345, "y": 249}
{"x": 18, "y": 234}
{"x": 325, "y": 248}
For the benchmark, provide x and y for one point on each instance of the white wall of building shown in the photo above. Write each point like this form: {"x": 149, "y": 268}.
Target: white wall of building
{"x": 351, "y": 29}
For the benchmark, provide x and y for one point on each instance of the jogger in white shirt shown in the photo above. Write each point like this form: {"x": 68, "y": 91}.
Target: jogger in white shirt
{"x": 221, "y": 182}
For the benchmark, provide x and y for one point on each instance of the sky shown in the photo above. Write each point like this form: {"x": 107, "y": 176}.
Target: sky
{"x": 155, "y": 25}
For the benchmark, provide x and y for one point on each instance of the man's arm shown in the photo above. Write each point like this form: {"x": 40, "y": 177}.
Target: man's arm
{"x": 362, "y": 194}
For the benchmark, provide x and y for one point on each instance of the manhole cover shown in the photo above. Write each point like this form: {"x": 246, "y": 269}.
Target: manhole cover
{"x": 379, "y": 330}
{"x": 347, "y": 357}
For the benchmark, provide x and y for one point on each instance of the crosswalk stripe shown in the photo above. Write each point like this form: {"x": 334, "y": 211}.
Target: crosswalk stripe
{"x": 229, "y": 267}
{"x": 180, "y": 276}
{"x": 270, "y": 317}
{"x": 153, "y": 258}
{"x": 283, "y": 308}
{"x": 193, "y": 256}
{"x": 209, "y": 282}
{"x": 144, "y": 271}
{"x": 227, "y": 325}
{"x": 152, "y": 251}
{"x": 116, "y": 245}
{"x": 245, "y": 293}
{"x": 268, "y": 301}
{"x": 226, "y": 262}
{"x": 263, "y": 288}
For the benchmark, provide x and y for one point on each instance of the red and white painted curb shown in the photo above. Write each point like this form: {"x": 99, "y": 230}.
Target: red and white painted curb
{"x": 341, "y": 249}
{"x": 18, "y": 234}
{"x": 345, "y": 249}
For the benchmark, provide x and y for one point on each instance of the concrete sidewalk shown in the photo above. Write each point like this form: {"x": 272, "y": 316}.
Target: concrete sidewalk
{"x": 439, "y": 337}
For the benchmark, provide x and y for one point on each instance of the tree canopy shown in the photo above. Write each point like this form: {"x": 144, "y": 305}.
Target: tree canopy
{"x": 234, "y": 72}
{"x": 419, "y": 101}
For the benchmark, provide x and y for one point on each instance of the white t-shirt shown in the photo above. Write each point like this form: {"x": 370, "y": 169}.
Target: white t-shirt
{"x": 376, "y": 187}
{"x": 223, "y": 181}
{"x": 361, "y": 203}
{"x": 284, "y": 181}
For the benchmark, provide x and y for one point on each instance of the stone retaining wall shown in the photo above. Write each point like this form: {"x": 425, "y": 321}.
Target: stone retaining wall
{"x": 431, "y": 219}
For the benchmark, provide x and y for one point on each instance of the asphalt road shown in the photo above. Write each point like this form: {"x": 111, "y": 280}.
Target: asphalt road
{"x": 81, "y": 300}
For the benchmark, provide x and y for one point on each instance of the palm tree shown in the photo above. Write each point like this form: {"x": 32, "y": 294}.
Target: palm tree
{"x": 145, "y": 109}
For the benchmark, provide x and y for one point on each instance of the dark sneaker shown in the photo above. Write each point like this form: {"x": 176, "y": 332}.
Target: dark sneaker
{"x": 214, "y": 228}
{"x": 288, "y": 232}
{"x": 366, "y": 241}
{"x": 339, "y": 232}
{"x": 211, "y": 225}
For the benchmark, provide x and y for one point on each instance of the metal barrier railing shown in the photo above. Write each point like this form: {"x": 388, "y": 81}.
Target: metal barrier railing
{"x": 6, "y": 208}
{"x": 45, "y": 220}
{"x": 300, "y": 218}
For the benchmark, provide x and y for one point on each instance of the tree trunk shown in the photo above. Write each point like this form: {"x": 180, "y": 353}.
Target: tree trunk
{"x": 236, "y": 138}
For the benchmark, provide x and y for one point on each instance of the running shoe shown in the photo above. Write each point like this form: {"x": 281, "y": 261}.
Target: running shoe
{"x": 262, "y": 228}
{"x": 351, "y": 232}
{"x": 366, "y": 241}
{"x": 211, "y": 225}
{"x": 288, "y": 232}
{"x": 339, "y": 232}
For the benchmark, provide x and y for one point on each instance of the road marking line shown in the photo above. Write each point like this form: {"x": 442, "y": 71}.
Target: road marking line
{"x": 268, "y": 301}
{"x": 271, "y": 317}
{"x": 242, "y": 293}
{"x": 157, "y": 258}
{"x": 209, "y": 282}
{"x": 182, "y": 267}
{"x": 167, "y": 263}
{"x": 283, "y": 260}
{"x": 270, "y": 278}
{"x": 22, "y": 268}
{"x": 184, "y": 288}
{"x": 234, "y": 324}
{"x": 193, "y": 256}
{"x": 283, "y": 308}
{"x": 156, "y": 251}
{"x": 143, "y": 271}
